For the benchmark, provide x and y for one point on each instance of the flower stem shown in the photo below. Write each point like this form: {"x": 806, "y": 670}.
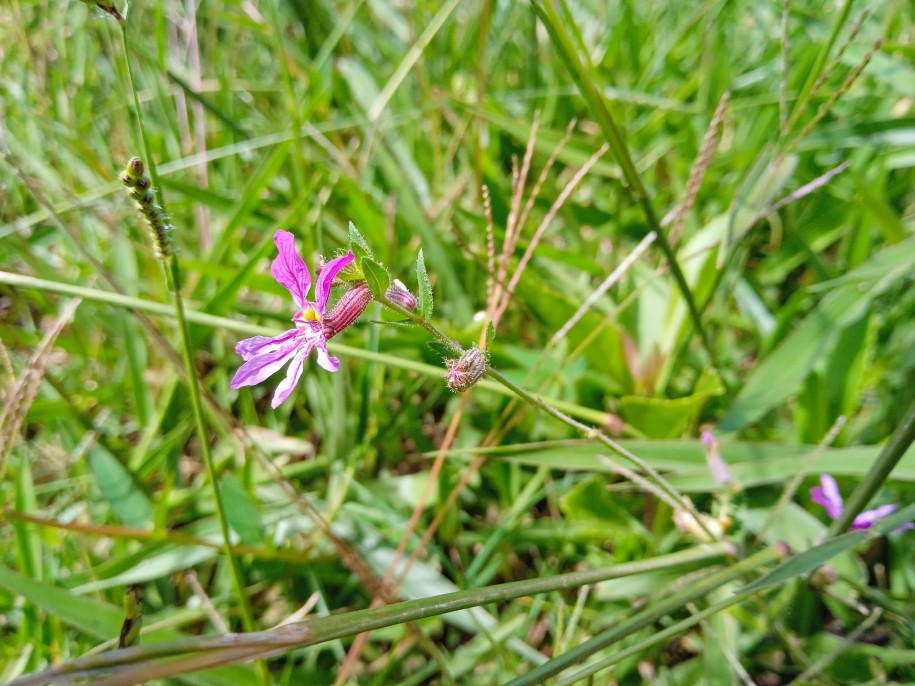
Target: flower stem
{"x": 173, "y": 278}
{"x": 595, "y": 434}
{"x": 538, "y": 402}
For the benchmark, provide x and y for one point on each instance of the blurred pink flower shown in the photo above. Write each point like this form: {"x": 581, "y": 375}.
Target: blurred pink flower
{"x": 827, "y": 494}
{"x": 265, "y": 356}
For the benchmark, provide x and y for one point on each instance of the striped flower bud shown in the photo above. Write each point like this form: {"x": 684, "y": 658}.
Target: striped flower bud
{"x": 465, "y": 371}
{"x": 139, "y": 188}
{"x": 398, "y": 294}
{"x": 347, "y": 310}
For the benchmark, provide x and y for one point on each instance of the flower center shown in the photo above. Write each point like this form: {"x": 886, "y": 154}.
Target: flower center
{"x": 311, "y": 313}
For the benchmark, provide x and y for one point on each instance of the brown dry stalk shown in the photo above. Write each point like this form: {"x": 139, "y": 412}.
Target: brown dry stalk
{"x": 535, "y": 240}
{"x": 700, "y": 166}
{"x": 535, "y": 192}
{"x": 23, "y": 391}
{"x": 511, "y": 225}
{"x": 490, "y": 240}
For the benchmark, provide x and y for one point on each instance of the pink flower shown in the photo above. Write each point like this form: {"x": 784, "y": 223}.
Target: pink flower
{"x": 716, "y": 464}
{"x": 265, "y": 356}
{"x": 827, "y": 494}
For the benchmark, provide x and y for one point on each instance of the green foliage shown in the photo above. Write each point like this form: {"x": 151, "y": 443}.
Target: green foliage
{"x": 317, "y": 118}
{"x": 376, "y": 276}
{"x": 424, "y": 303}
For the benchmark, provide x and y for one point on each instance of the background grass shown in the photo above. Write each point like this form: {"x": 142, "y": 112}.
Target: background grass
{"x": 307, "y": 116}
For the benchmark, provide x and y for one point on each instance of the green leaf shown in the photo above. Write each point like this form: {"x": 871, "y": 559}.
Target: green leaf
{"x": 441, "y": 349}
{"x": 241, "y": 512}
{"x": 118, "y": 487}
{"x": 812, "y": 559}
{"x": 425, "y": 288}
{"x": 781, "y": 374}
{"x": 670, "y": 417}
{"x": 490, "y": 337}
{"x": 376, "y": 276}
{"x": 809, "y": 560}
{"x": 358, "y": 244}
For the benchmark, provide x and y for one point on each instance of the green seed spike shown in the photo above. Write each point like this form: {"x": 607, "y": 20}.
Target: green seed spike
{"x": 133, "y": 620}
{"x": 138, "y": 187}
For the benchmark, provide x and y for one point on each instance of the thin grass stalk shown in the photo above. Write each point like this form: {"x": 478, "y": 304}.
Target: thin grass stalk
{"x": 803, "y": 98}
{"x": 138, "y": 305}
{"x": 649, "y": 615}
{"x": 662, "y": 636}
{"x": 595, "y": 434}
{"x": 538, "y": 234}
{"x": 783, "y": 70}
{"x": 546, "y": 10}
{"x": 410, "y": 59}
{"x": 889, "y": 457}
{"x": 236, "y": 648}
{"x": 173, "y": 277}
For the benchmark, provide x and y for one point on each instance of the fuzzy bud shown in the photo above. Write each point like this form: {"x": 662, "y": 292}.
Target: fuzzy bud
{"x": 347, "y": 310}
{"x": 398, "y": 294}
{"x": 466, "y": 371}
{"x": 138, "y": 187}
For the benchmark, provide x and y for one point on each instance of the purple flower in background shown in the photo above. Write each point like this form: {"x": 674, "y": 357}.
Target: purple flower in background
{"x": 265, "y": 356}
{"x": 716, "y": 464}
{"x": 827, "y": 494}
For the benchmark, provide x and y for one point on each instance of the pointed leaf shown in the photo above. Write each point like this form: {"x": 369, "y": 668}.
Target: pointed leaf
{"x": 425, "y": 288}
{"x": 441, "y": 349}
{"x": 357, "y": 243}
{"x": 376, "y": 276}
{"x": 241, "y": 512}
{"x": 490, "y": 337}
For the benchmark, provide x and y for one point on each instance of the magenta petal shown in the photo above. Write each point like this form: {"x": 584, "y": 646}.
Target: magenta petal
{"x": 292, "y": 376}
{"x": 289, "y": 268}
{"x": 258, "y": 345}
{"x": 828, "y": 496}
{"x": 866, "y": 519}
{"x": 326, "y": 277}
{"x": 261, "y": 366}
{"x": 329, "y": 363}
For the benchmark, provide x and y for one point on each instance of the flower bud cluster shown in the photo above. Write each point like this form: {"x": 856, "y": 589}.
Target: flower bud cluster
{"x": 139, "y": 188}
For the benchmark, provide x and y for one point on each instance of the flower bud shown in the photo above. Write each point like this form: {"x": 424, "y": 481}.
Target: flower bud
{"x": 347, "y": 310}
{"x": 398, "y": 294}
{"x": 466, "y": 371}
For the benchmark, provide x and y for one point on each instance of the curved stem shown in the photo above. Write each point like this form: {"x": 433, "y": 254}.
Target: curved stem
{"x": 587, "y": 431}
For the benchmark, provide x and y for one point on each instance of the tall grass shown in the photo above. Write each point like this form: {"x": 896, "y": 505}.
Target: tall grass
{"x": 657, "y": 219}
